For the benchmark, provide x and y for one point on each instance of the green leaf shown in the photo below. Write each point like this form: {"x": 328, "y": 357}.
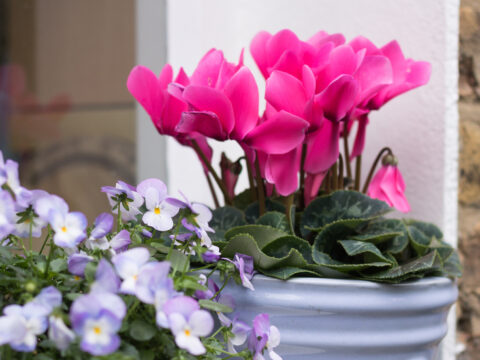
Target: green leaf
{"x": 370, "y": 252}
{"x": 73, "y": 296}
{"x": 274, "y": 219}
{"x": 327, "y": 240}
{"x": 325, "y": 260}
{"x": 246, "y": 244}
{"x": 90, "y": 271}
{"x": 223, "y": 219}
{"x": 419, "y": 241}
{"x": 413, "y": 268}
{"x": 242, "y": 200}
{"x": 179, "y": 261}
{"x": 252, "y": 212}
{"x": 287, "y": 272}
{"x": 398, "y": 243}
{"x": 188, "y": 282}
{"x": 160, "y": 247}
{"x": 340, "y": 205}
{"x": 281, "y": 247}
{"x": 214, "y": 306}
{"x": 452, "y": 266}
{"x": 141, "y": 330}
{"x": 58, "y": 265}
{"x": 261, "y": 233}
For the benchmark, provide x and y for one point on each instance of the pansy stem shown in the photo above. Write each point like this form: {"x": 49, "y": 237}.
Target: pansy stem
{"x": 50, "y": 256}
{"x": 219, "y": 181}
{"x": 30, "y": 235}
{"x": 49, "y": 229}
{"x": 260, "y": 188}
{"x": 119, "y": 216}
{"x": 221, "y": 289}
{"x": 358, "y": 171}
{"x": 374, "y": 166}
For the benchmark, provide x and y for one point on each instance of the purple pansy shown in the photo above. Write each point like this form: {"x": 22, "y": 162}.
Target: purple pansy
{"x": 9, "y": 171}
{"x": 128, "y": 265}
{"x": 7, "y": 214}
{"x": 239, "y": 330}
{"x": 77, "y": 263}
{"x": 69, "y": 228}
{"x": 102, "y": 226}
{"x": 264, "y": 336}
{"x": 134, "y": 203}
{"x": 212, "y": 255}
{"x": 106, "y": 279}
{"x": 96, "y": 318}
{"x": 35, "y": 224}
{"x": 188, "y": 323}
{"x": 59, "y": 333}
{"x": 244, "y": 265}
{"x": 159, "y": 212}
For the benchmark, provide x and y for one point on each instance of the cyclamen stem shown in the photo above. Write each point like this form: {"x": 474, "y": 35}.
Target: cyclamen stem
{"x": 358, "y": 171}
{"x": 260, "y": 188}
{"x": 374, "y": 166}
{"x": 340, "y": 173}
{"x": 212, "y": 190}
{"x": 219, "y": 181}
{"x": 346, "y": 149}
{"x": 253, "y": 193}
{"x": 302, "y": 176}
{"x": 334, "y": 172}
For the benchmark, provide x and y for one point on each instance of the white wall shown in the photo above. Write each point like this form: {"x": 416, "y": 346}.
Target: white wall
{"x": 420, "y": 126}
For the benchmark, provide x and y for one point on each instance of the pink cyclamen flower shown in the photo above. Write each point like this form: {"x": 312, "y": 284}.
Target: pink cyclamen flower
{"x": 388, "y": 185}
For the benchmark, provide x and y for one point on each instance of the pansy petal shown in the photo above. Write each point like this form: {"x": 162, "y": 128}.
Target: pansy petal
{"x": 201, "y": 323}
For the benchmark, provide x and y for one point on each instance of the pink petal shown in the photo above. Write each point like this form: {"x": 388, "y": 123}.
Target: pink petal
{"x": 182, "y": 78}
{"x": 322, "y": 37}
{"x": 203, "y": 122}
{"x": 374, "y": 73}
{"x": 394, "y": 53}
{"x": 359, "y": 143}
{"x": 323, "y": 151}
{"x": 206, "y": 73}
{"x": 308, "y": 79}
{"x": 278, "y": 135}
{"x": 319, "y": 58}
{"x": 144, "y": 86}
{"x": 206, "y": 99}
{"x": 206, "y": 149}
{"x": 283, "y": 170}
{"x": 312, "y": 185}
{"x": 393, "y": 187}
{"x": 279, "y": 43}
{"x": 243, "y": 94}
{"x": 285, "y": 92}
{"x": 361, "y": 42}
{"x": 343, "y": 60}
{"x": 258, "y": 49}
{"x": 338, "y": 98}
{"x": 172, "y": 114}
{"x": 165, "y": 77}
{"x": 289, "y": 63}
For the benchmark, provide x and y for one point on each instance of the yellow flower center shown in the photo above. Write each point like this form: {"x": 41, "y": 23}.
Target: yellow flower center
{"x": 135, "y": 277}
{"x": 97, "y": 330}
{"x": 64, "y": 229}
{"x": 156, "y": 211}
{"x": 76, "y": 277}
{"x": 187, "y": 332}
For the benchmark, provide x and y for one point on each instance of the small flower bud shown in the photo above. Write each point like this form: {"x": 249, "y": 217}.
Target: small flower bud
{"x": 30, "y": 286}
{"x": 390, "y": 159}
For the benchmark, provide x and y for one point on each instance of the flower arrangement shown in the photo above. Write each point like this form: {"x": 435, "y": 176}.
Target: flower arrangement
{"x": 136, "y": 289}
{"x": 306, "y": 211}
{"x": 137, "y": 283}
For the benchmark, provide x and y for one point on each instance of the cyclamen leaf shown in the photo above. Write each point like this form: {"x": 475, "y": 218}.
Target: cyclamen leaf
{"x": 262, "y": 234}
{"x": 274, "y": 219}
{"x": 324, "y": 259}
{"x": 223, "y": 219}
{"x": 246, "y": 244}
{"x": 287, "y": 272}
{"x": 252, "y": 212}
{"x": 281, "y": 247}
{"x": 340, "y": 205}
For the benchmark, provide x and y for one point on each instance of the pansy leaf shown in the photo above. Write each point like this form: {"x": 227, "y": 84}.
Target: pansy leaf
{"x": 340, "y": 205}
{"x": 141, "y": 330}
{"x": 263, "y": 234}
{"x": 225, "y": 218}
{"x": 214, "y": 306}
{"x": 274, "y": 219}
{"x": 179, "y": 261}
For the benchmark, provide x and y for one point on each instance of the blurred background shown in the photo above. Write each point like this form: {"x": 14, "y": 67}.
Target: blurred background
{"x": 66, "y": 116}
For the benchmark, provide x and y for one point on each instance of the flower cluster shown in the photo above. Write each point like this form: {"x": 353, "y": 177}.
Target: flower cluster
{"x": 317, "y": 91}
{"x": 135, "y": 275}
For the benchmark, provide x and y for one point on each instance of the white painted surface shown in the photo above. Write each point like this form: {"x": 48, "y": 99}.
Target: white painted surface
{"x": 420, "y": 126}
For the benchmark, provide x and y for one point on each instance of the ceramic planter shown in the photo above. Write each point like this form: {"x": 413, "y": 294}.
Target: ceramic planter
{"x": 332, "y": 319}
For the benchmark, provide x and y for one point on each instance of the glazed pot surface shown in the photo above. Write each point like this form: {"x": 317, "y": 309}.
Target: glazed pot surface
{"x": 336, "y": 319}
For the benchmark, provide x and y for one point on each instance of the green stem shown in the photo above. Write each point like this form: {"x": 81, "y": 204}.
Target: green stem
{"x": 358, "y": 171}
{"x": 221, "y": 289}
{"x": 132, "y": 308}
{"x": 334, "y": 172}
{"x": 260, "y": 188}
{"x": 119, "y": 216}
{"x": 50, "y": 256}
{"x": 346, "y": 149}
{"x": 49, "y": 229}
{"x": 212, "y": 190}
{"x": 253, "y": 191}
{"x": 374, "y": 166}
{"x": 177, "y": 229}
{"x": 340, "y": 172}
{"x": 30, "y": 235}
{"x": 288, "y": 204}
{"x": 302, "y": 176}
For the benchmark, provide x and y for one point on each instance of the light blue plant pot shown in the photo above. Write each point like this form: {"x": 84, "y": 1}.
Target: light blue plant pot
{"x": 333, "y": 319}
